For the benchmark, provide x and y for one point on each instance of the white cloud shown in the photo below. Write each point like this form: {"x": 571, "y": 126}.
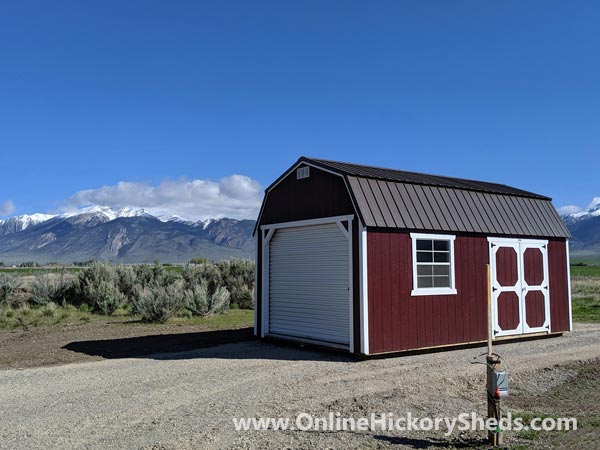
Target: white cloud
{"x": 569, "y": 209}
{"x": 7, "y": 208}
{"x": 235, "y": 196}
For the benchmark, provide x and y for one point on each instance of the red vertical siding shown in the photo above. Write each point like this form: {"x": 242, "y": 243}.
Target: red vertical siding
{"x": 321, "y": 195}
{"x": 398, "y": 321}
{"x": 559, "y": 290}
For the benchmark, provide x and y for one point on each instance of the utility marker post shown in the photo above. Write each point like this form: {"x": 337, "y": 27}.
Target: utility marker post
{"x": 493, "y": 368}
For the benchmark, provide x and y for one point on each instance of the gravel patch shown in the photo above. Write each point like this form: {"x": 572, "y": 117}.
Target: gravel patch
{"x": 188, "y": 400}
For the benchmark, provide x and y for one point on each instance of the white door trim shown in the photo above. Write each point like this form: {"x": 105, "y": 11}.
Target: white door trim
{"x": 521, "y": 287}
{"x": 364, "y": 289}
{"x": 269, "y": 230}
{"x": 544, "y": 288}
{"x": 497, "y": 289}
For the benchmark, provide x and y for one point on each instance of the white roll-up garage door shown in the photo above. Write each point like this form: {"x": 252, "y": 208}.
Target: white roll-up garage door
{"x": 309, "y": 283}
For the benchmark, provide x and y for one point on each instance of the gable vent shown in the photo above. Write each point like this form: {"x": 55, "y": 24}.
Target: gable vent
{"x": 302, "y": 172}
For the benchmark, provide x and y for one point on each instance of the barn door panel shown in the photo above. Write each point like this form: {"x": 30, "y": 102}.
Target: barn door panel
{"x": 506, "y": 288}
{"x": 520, "y": 297}
{"x": 535, "y": 287}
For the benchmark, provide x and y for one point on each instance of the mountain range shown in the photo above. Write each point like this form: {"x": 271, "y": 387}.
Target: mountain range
{"x": 127, "y": 235}
{"x": 585, "y": 230}
{"x": 130, "y": 235}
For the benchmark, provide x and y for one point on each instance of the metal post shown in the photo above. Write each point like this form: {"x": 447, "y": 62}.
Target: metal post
{"x": 493, "y": 364}
{"x": 495, "y": 437}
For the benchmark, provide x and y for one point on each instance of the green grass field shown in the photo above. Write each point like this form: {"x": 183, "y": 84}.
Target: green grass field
{"x": 27, "y": 271}
{"x": 585, "y": 290}
{"x": 585, "y": 271}
{"x": 31, "y": 317}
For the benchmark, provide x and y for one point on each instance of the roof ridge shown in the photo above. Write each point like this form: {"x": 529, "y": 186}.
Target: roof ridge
{"x": 514, "y": 191}
{"x": 408, "y": 171}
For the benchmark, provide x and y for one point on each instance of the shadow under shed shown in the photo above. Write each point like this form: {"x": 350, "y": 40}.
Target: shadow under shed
{"x": 135, "y": 347}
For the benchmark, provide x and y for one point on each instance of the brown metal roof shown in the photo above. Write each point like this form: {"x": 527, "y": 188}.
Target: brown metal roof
{"x": 389, "y": 198}
{"x": 390, "y": 204}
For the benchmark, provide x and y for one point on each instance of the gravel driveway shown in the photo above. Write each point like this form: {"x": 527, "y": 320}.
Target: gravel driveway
{"x": 187, "y": 400}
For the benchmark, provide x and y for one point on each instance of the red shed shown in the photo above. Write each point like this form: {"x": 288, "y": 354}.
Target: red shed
{"x": 374, "y": 260}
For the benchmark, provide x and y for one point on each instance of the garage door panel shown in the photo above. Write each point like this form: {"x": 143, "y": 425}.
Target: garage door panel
{"x": 308, "y": 288}
{"x": 298, "y": 311}
{"x": 316, "y": 322}
{"x": 313, "y": 332}
{"x": 309, "y": 283}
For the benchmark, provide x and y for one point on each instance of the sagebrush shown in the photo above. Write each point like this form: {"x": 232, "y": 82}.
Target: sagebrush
{"x": 9, "y": 283}
{"x": 153, "y": 292}
{"x": 156, "y": 303}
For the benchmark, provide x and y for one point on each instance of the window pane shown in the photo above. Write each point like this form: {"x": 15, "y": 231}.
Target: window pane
{"x": 441, "y": 270}
{"x": 442, "y": 257}
{"x": 424, "y": 245}
{"x": 443, "y": 281}
{"x": 441, "y": 245}
{"x": 425, "y": 270}
{"x": 424, "y": 256}
{"x": 425, "y": 282}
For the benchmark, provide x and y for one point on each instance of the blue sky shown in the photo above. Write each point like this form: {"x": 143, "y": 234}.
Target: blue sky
{"x": 143, "y": 92}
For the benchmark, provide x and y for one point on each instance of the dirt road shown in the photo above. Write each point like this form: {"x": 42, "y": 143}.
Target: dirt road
{"x": 187, "y": 400}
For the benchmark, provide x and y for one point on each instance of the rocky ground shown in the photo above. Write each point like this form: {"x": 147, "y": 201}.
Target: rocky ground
{"x": 187, "y": 400}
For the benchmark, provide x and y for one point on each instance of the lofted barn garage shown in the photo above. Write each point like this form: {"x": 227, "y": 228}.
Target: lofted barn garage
{"x": 373, "y": 260}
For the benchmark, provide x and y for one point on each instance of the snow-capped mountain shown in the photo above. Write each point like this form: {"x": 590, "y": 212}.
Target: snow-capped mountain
{"x": 123, "y": 235}
{"x": 584, "y": 226}
{"x": 92, "y": 214}
{"x": 593, "y": 210}
{"x": 19, "y": 223}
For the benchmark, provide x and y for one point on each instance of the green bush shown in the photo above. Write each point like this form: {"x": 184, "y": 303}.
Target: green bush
{"x": 99, "y": 287}
{"x": 198, "y": 261}
{"x": 200, "y": 301}
{"x": 238, "y": 278}
{"x": 243, "y": 299}
{"x": 147, "y": 275}
{"x": 126, "y": 280}
{"x": 157, "y": 303}
{"x": 51, "y": 288}
{"x": 237, "y": 273}
{"x": 208, "y": 274}
{"x": 105, "y": 296}
{"x": 29, "y": 264}
{"x": 8, "y": 284}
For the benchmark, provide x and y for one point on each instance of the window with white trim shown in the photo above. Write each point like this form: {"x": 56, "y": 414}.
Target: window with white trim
{"x": 433, "y": 264}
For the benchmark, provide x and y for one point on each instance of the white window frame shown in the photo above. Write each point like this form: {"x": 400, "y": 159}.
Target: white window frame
{"x": 416, "y": 291}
